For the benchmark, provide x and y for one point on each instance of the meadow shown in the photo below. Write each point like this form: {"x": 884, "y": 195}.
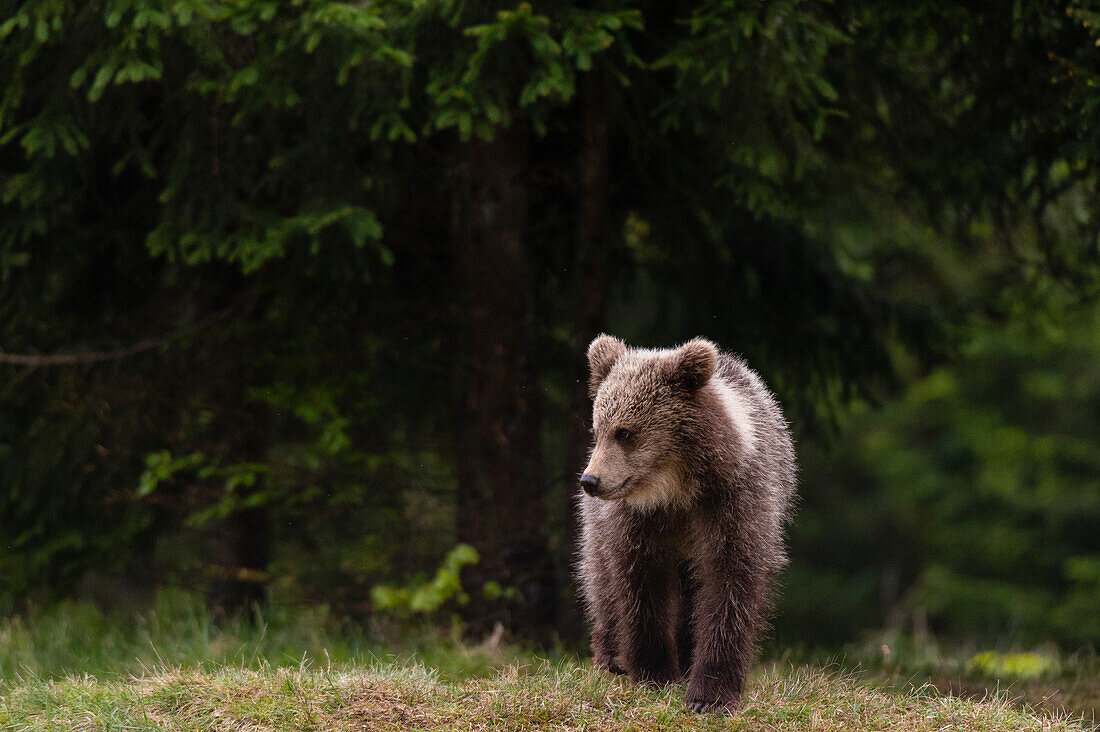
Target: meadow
{"x": 174, "y": 666}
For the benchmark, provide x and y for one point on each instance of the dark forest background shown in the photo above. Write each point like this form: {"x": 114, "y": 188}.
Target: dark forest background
{"x": 294, "y": 296}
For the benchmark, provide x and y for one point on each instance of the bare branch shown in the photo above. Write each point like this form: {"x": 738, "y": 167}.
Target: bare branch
{"x": 35, "y": 360}
{"x": 68, "y": 359}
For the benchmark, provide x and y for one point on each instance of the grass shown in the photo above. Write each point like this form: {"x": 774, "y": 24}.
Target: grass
{"x": 1043, "y": 678}
{"x": 564, "y": 696}
{"x": 172, "y": 667}
{"x": 76, "y": 638}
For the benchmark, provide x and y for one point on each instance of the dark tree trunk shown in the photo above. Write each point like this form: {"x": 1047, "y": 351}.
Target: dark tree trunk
{"x": 500, "y": 506}
{"x": 239, "y": 553}
{"x": 238, "y": 546}
{"x": 589, "y": 305}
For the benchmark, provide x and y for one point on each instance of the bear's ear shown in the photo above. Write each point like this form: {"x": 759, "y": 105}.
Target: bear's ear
{"x": 693, "y": 363}
{"x": 603, "y": 352}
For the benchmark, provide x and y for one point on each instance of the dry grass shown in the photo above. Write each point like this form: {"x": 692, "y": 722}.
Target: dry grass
{"x": 562, "y": 696}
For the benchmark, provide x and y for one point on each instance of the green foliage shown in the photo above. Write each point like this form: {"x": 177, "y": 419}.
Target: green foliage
{"x": 1011, "y": 665}
{"x": 972, "y": 502}
{"x": 493, "y": 591}
{"x": 422, "y": 596}
{"x": 122, "y": 57}
{"x": 483, "y": 92}
{"x": 764, "y": 66}
{"x": 160, "y": 466}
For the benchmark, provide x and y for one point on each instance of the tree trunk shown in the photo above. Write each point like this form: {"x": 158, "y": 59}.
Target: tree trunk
{"x": 500, "y": 510}
{"x": 239, "y": 552}
{"x": 589, "y": 306}
{"x": 238, "y": 546}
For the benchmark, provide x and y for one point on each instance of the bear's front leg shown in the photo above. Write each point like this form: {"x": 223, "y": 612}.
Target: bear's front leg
{"x": 714, "y": 686}
{"x": 725, "y": 622}
{"x": 599, "y": 585}
{"x": 605, "y": 647}
{"x": 650, "y": 609}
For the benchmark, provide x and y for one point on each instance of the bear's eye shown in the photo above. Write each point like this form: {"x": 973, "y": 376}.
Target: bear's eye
{"x": 623, "y": 435}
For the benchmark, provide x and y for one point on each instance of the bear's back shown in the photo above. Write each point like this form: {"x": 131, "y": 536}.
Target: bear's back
{"x": 770, "y": 450}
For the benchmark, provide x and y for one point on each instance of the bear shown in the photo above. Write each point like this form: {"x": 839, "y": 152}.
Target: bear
{"x": 685, "y": 500}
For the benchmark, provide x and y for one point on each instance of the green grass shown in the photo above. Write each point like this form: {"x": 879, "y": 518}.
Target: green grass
{"x": 1041, "y": 678}
{"x": 78, "y": 638}
{"x": 173, "y": 667}
{"x": 564, "y": 695}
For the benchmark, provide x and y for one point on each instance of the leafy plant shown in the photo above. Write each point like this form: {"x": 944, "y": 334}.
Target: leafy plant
{"x": 422, "y": 596}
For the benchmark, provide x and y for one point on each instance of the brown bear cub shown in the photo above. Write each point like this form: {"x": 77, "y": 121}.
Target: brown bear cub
{"x": 685, "y": 499}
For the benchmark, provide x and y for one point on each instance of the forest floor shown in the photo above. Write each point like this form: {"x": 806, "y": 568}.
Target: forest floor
{"x": 171, "y": 667}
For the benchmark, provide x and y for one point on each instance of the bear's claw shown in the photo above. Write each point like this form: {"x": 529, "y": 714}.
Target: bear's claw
{"x": 703, "y": 707}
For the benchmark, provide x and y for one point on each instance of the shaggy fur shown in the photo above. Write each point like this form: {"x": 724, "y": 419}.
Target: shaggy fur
{"x": 689, "y": 486}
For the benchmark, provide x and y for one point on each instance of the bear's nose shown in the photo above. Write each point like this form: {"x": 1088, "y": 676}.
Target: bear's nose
{"x": 590, "y": 483}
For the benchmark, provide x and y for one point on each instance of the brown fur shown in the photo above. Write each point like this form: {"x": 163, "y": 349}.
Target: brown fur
{"x": 683, "y": 535}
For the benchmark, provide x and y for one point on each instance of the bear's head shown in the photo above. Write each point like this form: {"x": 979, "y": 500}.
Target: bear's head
{"x": 644, "y": 399}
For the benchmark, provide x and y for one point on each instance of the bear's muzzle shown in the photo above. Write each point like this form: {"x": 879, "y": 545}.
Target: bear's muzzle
{"x": 591, "y": 484}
